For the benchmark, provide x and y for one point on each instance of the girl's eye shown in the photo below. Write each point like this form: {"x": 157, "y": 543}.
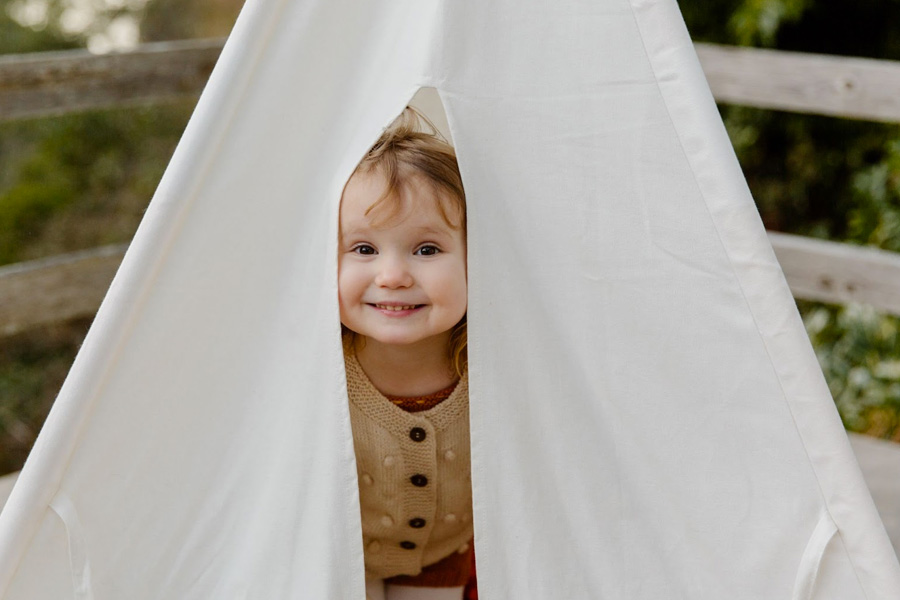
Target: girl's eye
{"x": 428, "y": 250}
{"x": 364, "y": 249}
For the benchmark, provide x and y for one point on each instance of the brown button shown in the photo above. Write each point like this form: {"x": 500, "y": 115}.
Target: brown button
{"x": 417, "y": 434}
{"x": 407, "y": 545}
{"x": 419, "y": 480}
{"x": 417, "y": 523}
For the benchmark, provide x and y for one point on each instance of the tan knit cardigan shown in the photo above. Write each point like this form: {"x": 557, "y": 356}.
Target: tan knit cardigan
{"x": 415, "y": 485}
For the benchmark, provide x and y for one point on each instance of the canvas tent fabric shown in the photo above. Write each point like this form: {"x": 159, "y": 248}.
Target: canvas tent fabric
{"x": 648, "y": 419}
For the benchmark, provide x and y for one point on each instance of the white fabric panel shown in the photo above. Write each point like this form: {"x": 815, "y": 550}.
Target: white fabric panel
{"x": 202, "y": 438}
{"x": 648, "y": 419}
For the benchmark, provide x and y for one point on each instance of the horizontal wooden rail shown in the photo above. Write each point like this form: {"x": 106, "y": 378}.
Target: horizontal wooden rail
{"x": 47, "y": 291}
{"x": 839, "y": 273}
{"x": 70, "y": 286}
{"x": 42, "y": 84}
{"x": 54, "y": 83}
{"x": 838, "y": 86}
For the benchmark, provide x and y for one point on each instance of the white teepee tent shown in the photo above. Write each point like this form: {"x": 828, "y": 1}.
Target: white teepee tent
{"x": 648, "y": 419}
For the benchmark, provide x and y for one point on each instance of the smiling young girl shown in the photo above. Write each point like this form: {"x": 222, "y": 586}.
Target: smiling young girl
{"x": 403, "y": 297}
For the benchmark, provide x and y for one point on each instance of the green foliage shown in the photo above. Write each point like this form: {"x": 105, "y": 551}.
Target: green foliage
{"x": 746, "y": 22}
{"x": 101, "y": 25}
{"x": 875, "y": 216}
{"x": 757, "y": 22}
{"x": 32, "y": 368}
{"x": 182, "y": 19}
{"x": 23, "y": 209}
{"x": 83, "y": 180}
{"x": 859, "y": 350}
{"x": 15, "y": 38}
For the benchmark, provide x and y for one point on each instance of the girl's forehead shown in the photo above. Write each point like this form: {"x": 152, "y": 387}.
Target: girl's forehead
{"x": 413, "y": 218}
{"x": 416, "y": 205}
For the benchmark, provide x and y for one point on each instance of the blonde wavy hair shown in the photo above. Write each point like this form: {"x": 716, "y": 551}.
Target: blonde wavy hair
{"x": 413, "y": 146}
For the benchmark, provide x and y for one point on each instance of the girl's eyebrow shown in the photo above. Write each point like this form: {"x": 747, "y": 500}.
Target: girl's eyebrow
{"x": 428, "y": 230}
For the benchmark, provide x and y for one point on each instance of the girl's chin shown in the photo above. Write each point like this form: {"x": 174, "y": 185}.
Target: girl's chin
{"x": 408, "y": 341}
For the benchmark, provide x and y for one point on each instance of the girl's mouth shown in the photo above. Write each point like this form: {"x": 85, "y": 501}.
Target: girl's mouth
{"x": 396, "y": 307}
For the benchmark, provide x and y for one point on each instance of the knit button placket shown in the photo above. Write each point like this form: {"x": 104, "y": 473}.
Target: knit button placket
{"x": 420, "y": 456}
{"x": 405, "y": 469}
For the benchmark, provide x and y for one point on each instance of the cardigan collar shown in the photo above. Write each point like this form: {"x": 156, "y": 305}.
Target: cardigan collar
{"x": 377, "y": 406}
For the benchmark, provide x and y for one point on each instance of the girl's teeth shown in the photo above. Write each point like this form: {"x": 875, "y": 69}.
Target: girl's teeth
{"x": 383, "y": 307}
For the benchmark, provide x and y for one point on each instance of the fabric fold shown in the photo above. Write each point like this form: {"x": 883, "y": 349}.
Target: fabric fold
{"x": 78, "y": 551}
{"x": 808, "y": 570}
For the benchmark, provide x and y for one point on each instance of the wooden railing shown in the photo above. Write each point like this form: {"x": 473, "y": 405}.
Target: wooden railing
{"x": 836, "y": 86}
{"x": 55, "y": 289}
{"x": 70, "y": 286}
{"x": 53, "y": 83}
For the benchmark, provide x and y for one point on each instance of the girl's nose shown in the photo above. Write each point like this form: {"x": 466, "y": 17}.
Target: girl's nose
{"x": 393, "y": 273}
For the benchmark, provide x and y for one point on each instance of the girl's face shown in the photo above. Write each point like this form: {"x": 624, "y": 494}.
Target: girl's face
{"x": 402, "y": 281}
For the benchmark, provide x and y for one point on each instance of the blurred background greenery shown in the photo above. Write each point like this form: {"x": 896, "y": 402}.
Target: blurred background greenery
{"x": 84, "y": 180}
{"x": 79, "y": 181}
